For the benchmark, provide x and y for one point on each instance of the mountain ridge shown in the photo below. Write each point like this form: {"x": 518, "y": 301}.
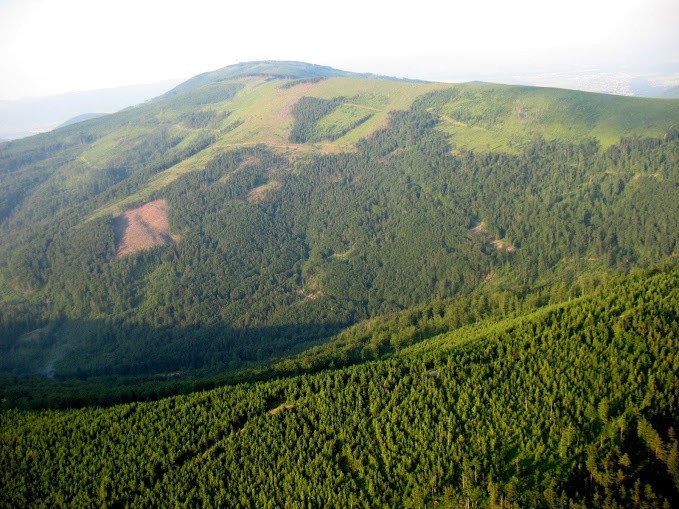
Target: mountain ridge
{"x": 531, "y": 110}
{"x": 275, "y": 69}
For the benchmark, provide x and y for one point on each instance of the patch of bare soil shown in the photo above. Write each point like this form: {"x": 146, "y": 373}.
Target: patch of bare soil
{"x": 480, "y": 228}
{"x": 499, "y": 244}
{"x": 260, "y": 193}
{"x": 313, "y": 295}
{"x": 142, "y": 228}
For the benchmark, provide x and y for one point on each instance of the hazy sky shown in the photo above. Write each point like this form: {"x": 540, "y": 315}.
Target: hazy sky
{"x": 55, "y": 46}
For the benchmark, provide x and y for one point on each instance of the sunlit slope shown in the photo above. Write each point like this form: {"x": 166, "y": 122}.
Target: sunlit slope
{"x": 507, "y": 118}
{"x": 300, "y": 204}
{"x": 125, "y": 158}
{"x": 263, "y": 68}
{"x": 261, "y": 113}
{"x": 476, "y": 116}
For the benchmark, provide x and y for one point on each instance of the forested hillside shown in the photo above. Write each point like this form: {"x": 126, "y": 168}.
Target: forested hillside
{"x": 299, "y": 204}
{"x": 284, "y": 285}
{"x": 573, "y": 405}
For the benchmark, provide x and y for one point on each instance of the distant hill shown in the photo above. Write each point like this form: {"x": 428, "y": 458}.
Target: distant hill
{"x": 270, "y": 69}
{"x": 643, "y": 88}
{"x": 81, "y": 118}
{"x": 267, "y": 68}
{"x": 672, "y": 93}
{"x": 504, "y": 118}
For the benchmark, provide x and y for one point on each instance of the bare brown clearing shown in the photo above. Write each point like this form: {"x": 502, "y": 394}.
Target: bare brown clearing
{"x": 479, "y": 228}
{"x": 313, "y": 295}
{"x": 499, "y": 244}
{"x": 142, "y": 228}
{"x": 502, "y": 245}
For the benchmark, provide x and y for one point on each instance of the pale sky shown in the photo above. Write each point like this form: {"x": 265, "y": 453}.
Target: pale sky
{"x": 50, "y": 47}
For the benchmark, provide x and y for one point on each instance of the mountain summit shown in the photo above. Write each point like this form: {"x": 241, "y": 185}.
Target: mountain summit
{"x": 266, "y": 69}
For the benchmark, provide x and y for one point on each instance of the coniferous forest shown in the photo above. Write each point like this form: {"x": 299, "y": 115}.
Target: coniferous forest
{"x": 571, "y": 405}
{"x": 362, "y": 292}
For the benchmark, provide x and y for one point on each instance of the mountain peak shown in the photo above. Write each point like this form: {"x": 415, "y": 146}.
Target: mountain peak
{"x": 271, "y": 68}
{"x": 274, "y": 69}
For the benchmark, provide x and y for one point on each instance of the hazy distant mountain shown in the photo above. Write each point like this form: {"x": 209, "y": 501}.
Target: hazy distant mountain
{"x": 650, "y": 84}
{"x": 641, "y": 87}
{"x": 82, "y": 118}
{"x": 25, "y": 117}
{"x": 672, "y": 93}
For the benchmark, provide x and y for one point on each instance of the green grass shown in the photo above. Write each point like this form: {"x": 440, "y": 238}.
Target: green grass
{"x": 506, "y": 118}
{"x": 263, "y": 109}
{"x": 102, "y": 151}
{"x": 476, "y": 116}
{"x": 342, "y": 120}
{"x": 378, "y": 96}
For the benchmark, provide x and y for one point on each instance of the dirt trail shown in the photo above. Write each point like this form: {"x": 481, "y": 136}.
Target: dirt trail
{"x": 453, "y": 121}
{"x": 363, "y": 106}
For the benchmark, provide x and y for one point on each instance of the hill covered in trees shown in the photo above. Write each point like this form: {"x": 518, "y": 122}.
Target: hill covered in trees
{"x": 572, "y": 405}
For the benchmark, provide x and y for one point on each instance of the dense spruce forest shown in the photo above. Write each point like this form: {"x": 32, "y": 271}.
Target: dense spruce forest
{"x": 286, "y": 285}
{"x": 573, "y": 405}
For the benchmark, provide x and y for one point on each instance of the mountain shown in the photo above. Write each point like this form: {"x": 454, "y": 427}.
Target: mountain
{"x": 572, "y": 405}
{"x": 270, "y": 69}
{"x": 281, "y": 284}
{"x": 642, "y": 87}
{"x": 258, "y": 210}
{"x": 82, "y": 118}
